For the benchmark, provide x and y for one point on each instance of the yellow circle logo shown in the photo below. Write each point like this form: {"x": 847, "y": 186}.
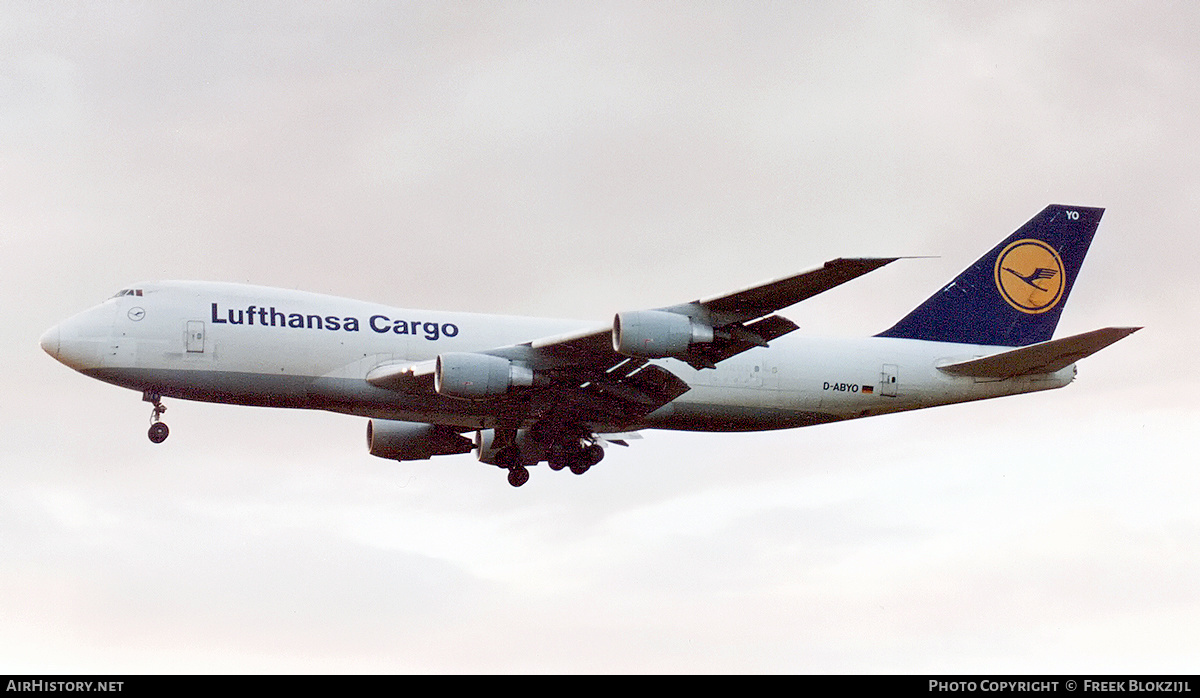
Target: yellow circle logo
{"x": 1030, "y": 276}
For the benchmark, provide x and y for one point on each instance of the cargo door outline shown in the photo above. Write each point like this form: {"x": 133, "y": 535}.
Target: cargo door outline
{"x": 889, "y": 380}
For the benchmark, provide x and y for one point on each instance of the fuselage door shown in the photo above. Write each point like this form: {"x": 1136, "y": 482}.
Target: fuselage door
{"x": 195, "y": 336}
{"x": 889, "y": 379}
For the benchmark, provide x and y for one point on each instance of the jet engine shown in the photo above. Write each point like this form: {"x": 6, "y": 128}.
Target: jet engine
{"x": 532, "y": 451}
{"x": 656, "y": 334}
{"x": 396, "y": 440}
{"x": 478, "y": 376}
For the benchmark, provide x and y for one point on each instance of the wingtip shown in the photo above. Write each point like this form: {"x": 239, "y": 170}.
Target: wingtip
{"x": 870, "y": 262}
{"x": 1123, "y": 331}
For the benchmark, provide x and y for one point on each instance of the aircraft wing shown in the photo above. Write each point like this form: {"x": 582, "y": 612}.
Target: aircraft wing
{"x": 1044, "y": 357}
{"x": 739, "y": 321}
{"x": 765, "y": 298}
{"x": 742, "y": 320}
{"x": 578, "y": 372}
{"x": 404, "y": 376}
{"x": 584, "y": 372}
{"x": 588, "y": 359}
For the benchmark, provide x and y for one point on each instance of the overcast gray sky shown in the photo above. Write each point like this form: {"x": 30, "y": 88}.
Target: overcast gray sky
{"x": 572, "y": 160}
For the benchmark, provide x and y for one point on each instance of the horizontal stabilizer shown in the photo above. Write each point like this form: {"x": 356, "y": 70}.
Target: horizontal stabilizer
{"x": 1046, "y": 357}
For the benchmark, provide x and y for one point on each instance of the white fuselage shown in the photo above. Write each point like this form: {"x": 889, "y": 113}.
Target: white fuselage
{"x": 253, "y": 345}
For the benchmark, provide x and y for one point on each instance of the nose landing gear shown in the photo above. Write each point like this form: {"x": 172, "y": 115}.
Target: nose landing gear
{"x": 158, "y": 432}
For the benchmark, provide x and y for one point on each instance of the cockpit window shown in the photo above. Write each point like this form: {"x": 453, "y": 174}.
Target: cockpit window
{"x": 128, "y": 292}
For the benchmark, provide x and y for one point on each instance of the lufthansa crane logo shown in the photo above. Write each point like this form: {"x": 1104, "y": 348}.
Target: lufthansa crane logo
{"x": 1030, "y": 276}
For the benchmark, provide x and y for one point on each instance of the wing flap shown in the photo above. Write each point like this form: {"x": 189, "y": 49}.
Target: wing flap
{"x": 740, "y": 338}
{"x": 1045, "y": 357}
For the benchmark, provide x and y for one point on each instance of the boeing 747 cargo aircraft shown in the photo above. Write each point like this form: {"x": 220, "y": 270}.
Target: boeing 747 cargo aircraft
{"x": 520, "y": 391}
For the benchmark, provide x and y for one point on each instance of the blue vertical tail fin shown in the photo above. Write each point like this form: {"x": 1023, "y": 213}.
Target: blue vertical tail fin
{"x": 1014, "y": 294}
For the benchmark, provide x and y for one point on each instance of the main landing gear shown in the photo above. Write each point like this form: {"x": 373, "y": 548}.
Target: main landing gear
{"x": 578, "y": 459}
{"x": 509, "y": 458}
{"x": 562, "y": 445}
{"x": 158, "y": 429}
{"x": 518, "y": 475}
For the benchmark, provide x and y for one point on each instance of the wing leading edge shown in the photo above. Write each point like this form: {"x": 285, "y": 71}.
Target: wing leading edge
{"x": 765, "y": 298}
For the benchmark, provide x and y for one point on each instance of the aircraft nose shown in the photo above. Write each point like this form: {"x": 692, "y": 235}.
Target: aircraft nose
{"x": 49, "y": 341}
{"x": 79, "y": 341}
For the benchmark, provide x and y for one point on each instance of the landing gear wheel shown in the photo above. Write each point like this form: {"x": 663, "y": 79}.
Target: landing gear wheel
{"x": 518, "y": 475}
{"x": 586, "y": 458}
{"x": 593, "y": 454}
{"x": 158, "y": 432}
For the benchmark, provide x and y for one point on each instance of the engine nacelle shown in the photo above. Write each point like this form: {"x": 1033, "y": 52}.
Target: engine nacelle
{"x": 396, "y": 440}
{"x": 532, "y": 451}
{"x": 657, "y": 334}
{"x": 478, "y": 376}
